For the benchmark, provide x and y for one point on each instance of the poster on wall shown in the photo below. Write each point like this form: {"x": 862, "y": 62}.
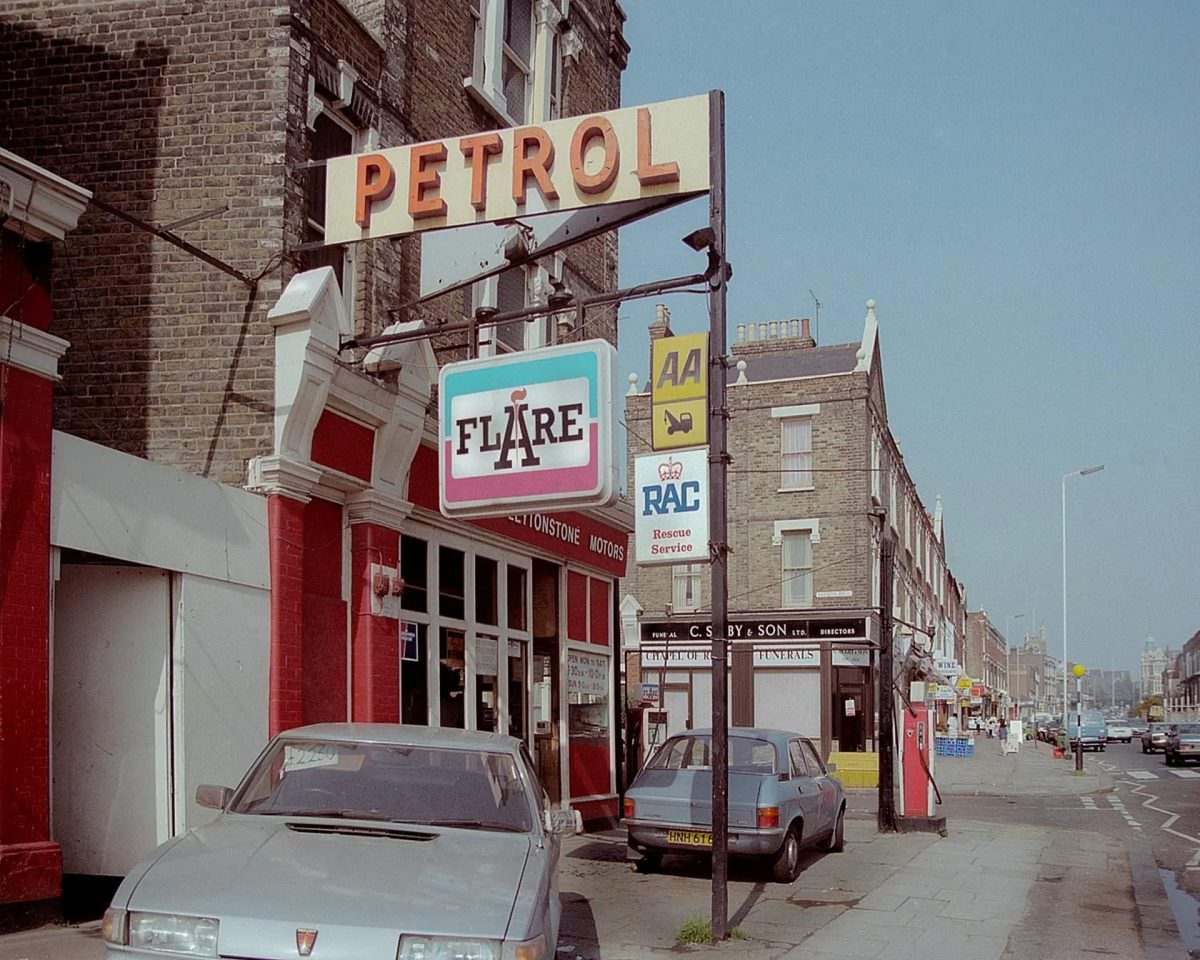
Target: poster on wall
{"x": 587, "y": 674}
{"x": 408, "y": 642}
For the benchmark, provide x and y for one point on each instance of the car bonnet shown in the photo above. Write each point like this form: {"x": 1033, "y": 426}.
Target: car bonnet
{"x": 264, "y": 879}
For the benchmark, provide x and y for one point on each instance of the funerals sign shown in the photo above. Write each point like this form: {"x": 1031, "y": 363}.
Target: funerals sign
{"x": 525, "y": 430}
{"x": 633, "y": 154}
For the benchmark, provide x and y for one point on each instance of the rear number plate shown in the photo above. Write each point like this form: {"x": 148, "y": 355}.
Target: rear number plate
{"x": 690, "y": 838}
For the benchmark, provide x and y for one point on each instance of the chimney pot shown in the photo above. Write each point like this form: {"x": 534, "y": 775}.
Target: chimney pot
{"x": 806, "y": 336}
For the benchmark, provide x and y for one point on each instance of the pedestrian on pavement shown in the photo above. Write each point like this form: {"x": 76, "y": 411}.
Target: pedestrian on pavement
{"x": 1002, "y": 732}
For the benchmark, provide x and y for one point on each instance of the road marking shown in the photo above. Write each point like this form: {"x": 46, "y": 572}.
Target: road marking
{"x": 1166, "y": 825}
{"x": 1186, "y": 774}
{"x": 1142, "y": 774}
{"x": 1194, "y": 863}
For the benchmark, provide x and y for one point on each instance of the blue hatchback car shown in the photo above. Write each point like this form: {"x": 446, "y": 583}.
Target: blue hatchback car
{"x": 781, "y": 798}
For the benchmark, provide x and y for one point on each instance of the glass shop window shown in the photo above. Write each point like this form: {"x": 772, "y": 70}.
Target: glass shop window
{"x": 518, "y": 707}
{"x": 452, "y": 583}
{"x": 414, "y": 657}
{"x": 414, "y": 569}
{"x": 486, "y": 683}
{"x": 452, "y": 673}
{"x": 486, "y": 592}
{"x": 518, "y": 615}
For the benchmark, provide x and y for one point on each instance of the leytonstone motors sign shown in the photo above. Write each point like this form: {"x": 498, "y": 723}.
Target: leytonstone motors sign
{"x": 526, "y": 430}
{"x": 637, "y": 153}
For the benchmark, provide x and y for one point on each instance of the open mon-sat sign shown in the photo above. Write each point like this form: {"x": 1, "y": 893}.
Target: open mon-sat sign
{"x": 633, "y": 154}
{"x": 528, "y": 430}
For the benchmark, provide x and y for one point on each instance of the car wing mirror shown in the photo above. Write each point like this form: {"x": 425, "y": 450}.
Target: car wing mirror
{"x": 563, "y": 822}
{"x": 212, "y": 796}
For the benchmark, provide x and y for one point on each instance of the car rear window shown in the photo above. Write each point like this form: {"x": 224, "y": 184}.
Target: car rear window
{"x": 694, "y": 751}
{"x": 392, "y": 782}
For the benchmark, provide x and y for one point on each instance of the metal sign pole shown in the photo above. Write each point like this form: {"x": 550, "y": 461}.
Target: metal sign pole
{"x": 717, "y": 460}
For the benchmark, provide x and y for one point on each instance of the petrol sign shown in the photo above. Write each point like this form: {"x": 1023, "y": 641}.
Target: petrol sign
{"x": 679, "y": 391}
{"x": 671, "y": 507}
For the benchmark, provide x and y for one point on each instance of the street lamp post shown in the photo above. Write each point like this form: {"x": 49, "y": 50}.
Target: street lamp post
{"x": 1086, "y": 471}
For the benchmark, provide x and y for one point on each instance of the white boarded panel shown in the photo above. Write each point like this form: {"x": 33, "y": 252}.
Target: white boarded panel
{"x": 788, "y": 700}
{"x": 109, "y": 716}
{"x": 221, "y": 667}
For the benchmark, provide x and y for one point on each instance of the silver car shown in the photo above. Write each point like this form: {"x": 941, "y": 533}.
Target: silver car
{"x": 1183, "y": 744}
{"x": 356, "y": 840}
{"x": 1155, "y": 737}
{"x": 781, "y": 798}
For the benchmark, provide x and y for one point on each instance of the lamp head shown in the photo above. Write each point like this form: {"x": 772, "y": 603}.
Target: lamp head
{"x": 700, "y": 239}
{"x": 1090, "y": 470}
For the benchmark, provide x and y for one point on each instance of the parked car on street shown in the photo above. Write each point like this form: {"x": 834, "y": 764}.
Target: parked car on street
{"x": 1088, "y": 727}
{"x": 1155, "y": 737}
{"x": 1119, "y": 730}
{"x": 781, "y": 798}
{"x": 1183, "y": 744}
{"x": 358, "y": 840}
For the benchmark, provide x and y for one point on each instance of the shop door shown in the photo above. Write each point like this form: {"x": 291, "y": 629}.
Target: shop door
{"x": 110, "y": 716}
{"x": 546, "y": 733}
{"x": 849, "y": 713}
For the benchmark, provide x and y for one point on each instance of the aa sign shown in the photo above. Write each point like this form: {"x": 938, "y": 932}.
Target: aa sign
{"x": 679, "y": 391}
{"x": 636, "y": 153}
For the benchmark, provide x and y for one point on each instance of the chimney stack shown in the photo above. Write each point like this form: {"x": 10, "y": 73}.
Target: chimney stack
{"x": 806, "y": 337}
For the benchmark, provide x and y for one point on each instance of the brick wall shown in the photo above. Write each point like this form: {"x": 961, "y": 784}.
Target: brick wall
{"x": 165, "y": 110}
{"x": 841, "y": 560}
{"x": 171, "y": 108}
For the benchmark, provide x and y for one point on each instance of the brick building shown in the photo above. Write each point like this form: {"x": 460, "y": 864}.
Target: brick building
{"x": 227, "y": 490}
{"x": 986, "y": 663}
{"x": 815, "y": 473}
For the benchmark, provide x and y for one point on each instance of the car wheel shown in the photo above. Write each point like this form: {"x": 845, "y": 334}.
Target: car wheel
{"x": 786, "y": 863}
{"x": 651, "y": 862}
{"x": 837, "y": 839}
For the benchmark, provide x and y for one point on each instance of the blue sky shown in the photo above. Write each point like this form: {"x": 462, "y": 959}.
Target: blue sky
{"x": 1017, "y": 186}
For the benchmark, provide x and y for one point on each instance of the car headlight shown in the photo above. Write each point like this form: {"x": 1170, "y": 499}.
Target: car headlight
{"x": 447, "y": 948}
{"x": 172, "y": 933}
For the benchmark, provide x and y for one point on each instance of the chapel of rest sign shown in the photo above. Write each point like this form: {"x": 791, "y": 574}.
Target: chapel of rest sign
{"x": 679, "y": 391}
{"x": 636, "y": 153}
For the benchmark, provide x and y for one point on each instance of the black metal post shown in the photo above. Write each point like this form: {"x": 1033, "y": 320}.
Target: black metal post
{"x": 887, "y": 712}
{"x": 718, "y": 455}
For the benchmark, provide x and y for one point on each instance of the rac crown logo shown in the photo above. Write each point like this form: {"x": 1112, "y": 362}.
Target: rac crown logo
{"x": 672, "y": 494}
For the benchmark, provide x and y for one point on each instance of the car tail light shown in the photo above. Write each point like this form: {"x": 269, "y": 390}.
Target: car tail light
{"x": 629, "y": 808}
{"x": 768, "y": 816}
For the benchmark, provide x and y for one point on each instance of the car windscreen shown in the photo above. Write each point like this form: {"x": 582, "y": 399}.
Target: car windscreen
{"x": 694, "y": 751}
{"x": 430, "y": 785}
{"x": 1191, "y": 729}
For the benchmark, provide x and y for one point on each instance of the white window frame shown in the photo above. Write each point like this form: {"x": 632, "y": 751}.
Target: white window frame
{"x": 361, "y": 138}
{"x": 538, "y": 278}
{"x": 543, "y": 88}
{"x": 681, "y": 575}
{"x": 795, "y": 478}
{"x": 811, "y": 528}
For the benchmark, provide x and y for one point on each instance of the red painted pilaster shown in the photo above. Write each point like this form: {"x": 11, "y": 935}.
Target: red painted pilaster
{"x": 30, "y": 863}
{"x": 376, "y": 660}
{"x": 285, "y": 519}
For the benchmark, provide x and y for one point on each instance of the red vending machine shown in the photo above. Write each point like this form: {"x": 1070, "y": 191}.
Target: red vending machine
{"x": 916, "y": 799}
